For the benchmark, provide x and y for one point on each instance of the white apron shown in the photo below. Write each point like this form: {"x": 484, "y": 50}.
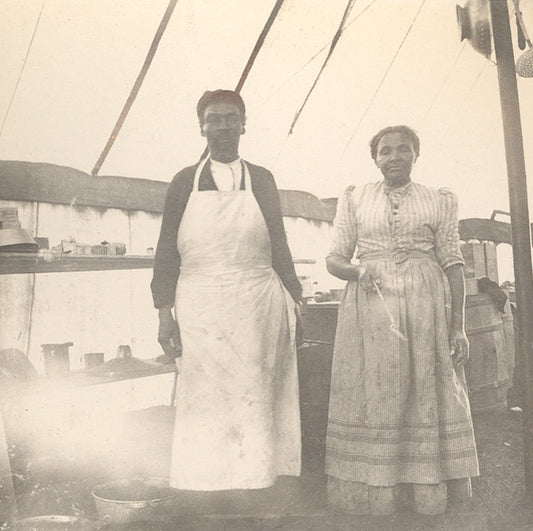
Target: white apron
{"x": 237, "y": 416}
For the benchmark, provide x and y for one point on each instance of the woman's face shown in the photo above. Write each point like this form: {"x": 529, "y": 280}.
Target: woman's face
{"x": 395, "y": 158}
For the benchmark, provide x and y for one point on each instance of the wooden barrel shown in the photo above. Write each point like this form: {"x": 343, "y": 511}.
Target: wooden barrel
{"x": 487, "y": 370}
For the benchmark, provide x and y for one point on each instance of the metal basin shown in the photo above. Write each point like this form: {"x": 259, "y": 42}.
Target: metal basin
{"x": 130, "y": 500}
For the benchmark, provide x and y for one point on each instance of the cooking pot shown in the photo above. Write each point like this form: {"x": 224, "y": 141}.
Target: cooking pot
{"x": 17, "y": 240}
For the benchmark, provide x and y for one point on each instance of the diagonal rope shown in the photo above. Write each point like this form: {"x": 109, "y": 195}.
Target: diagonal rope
{"x": 319, "y": 52}
{"x": 373, "y": 98}
{"x": 334, "y": 42}
{"x": 136, "y": 86}
{"x": 255, "y": 52}
{"x": 284, "y": 143}
{"x": 21, "y": 70}
{"x": 259, "y": 44}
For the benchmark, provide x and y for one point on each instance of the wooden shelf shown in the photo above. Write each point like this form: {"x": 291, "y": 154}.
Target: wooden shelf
{"x": 23, "y": 263}
{"x": 86, "y": 377}
{"x": 99, "y": 375}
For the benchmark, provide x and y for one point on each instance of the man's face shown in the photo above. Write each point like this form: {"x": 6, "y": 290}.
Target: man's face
{"x": 395, "y": 158}
{"x": 222, "y": 126}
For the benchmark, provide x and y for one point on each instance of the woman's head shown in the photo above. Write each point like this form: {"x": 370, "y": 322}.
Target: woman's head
{"x": 395, "y": 129}
{"x": 395, "y": 150}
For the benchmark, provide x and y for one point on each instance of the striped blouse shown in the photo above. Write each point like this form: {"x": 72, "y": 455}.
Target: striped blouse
{"x": 377, "y": 219}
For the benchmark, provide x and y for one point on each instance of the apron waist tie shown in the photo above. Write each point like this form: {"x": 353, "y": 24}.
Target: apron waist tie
{"x": 398, "y": 256}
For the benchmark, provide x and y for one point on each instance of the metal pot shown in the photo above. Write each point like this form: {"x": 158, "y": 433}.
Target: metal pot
{"x": 17, "y": 240}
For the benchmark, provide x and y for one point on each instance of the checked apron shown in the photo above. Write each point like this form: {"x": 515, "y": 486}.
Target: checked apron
{"x": 237, "y": 416}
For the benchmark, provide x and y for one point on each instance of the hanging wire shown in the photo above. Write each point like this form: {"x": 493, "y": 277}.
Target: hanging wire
{"x": 334, "y": 42}
{"x": 468, "y": 92}
{"x": 319, "y": 52}
{"x": 445, "y": 80}
{"x": 485, "y": 63}
{"x": 286, "y": 139}
{"x": 136, "y": 86}
{"x": 373, "y": 98}
{"x": 21, "y": 70}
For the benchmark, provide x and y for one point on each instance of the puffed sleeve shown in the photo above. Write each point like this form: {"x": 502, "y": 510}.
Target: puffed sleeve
{"x": 344, "y": 236}
{"x": 447, "y": 246}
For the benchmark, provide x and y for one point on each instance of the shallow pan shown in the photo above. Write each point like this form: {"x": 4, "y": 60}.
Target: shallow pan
{"x": 129, "y": 500}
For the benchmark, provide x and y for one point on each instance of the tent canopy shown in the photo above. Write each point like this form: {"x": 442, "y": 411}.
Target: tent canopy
{"x": 396, "y": 62}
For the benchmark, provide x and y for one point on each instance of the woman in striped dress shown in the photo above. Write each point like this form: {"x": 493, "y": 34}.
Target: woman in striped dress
{"x": 399, "y": 413}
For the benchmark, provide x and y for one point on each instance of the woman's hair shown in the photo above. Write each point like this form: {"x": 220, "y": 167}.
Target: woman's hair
{"x": 394, "y": 129}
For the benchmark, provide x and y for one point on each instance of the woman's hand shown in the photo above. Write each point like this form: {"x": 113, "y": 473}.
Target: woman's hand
{"x": 459, "y": 348}
{"x": 458, "y": 340}
{"x": 169, "y": 334}
{"x": 366, "y": 280}
{"x": 340, "y": 267}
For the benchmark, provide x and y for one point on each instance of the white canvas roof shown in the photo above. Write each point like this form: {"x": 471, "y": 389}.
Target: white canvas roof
{"x": 398, "y": 61}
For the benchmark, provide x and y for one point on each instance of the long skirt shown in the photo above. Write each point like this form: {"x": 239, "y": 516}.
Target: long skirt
{"x": 399, "y": 411}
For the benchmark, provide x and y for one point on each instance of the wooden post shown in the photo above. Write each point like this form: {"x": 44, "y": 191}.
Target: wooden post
{"x": 520, "y": 228}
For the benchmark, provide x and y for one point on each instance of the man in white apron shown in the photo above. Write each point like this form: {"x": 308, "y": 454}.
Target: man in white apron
{"x": 223, "y": 262}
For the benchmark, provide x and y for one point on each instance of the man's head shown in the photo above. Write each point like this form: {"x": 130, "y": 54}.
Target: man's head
{"x": 222, "y": 116}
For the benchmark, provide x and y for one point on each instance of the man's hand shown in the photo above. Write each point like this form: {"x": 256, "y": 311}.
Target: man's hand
{"x": 299, "y": 326}
{"x": 459, "y": 348}
{"x": 169, "y": 333}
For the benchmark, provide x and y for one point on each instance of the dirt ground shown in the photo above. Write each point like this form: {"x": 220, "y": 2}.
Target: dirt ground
{"x": 53, "y": 486}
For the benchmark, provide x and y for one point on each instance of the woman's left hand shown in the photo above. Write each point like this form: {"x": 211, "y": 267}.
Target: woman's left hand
{"x": 459, "y": 348}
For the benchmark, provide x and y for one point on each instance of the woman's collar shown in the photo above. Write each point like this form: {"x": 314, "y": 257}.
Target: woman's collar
{"x": 404, "y": 189}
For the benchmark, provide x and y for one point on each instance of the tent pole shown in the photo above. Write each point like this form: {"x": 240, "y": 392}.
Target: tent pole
{"x": 255, "y": 52}
{"x": 520, "y": 229}
{"x": 136, "y": 86}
